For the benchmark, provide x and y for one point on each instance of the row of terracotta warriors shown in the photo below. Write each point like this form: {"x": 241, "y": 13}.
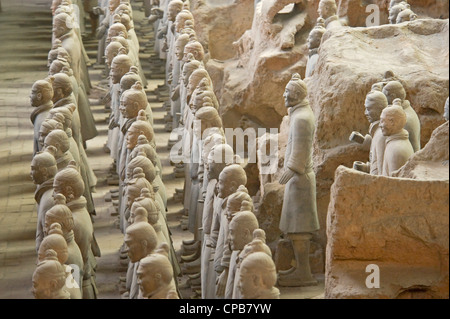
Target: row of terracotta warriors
{"x": 63, "y": 122}
{"x": 140, "y": 198}
{"x": 228, "y": 253}
{"x": 58, "y": 170}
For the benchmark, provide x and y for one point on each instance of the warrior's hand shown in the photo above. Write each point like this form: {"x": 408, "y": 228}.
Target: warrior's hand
{"x": 357, "y": 138}
{"x": 286, "y": 177}
{"x": 175, "y": 93}
{"x": 98, "y": 11}
{"x": 362, "y": 167}
{"x": 101, "y": 31}
{"x": 221, "y": 283}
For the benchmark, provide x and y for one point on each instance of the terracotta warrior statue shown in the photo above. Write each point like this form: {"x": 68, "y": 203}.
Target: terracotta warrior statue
{"x": 140, "y": 127}
{"x": 116, "y": 29}
{"x": 155, "y": 275}
{"x": 83, "y": 123}
{"x": 43, "y": 171}
{"x": 395, "y": 7}
{"x": 49, "y": 278}
{"x": 189, "y": 28}
{"x": 74, "y": 28}
{"x": 230, "y": 179}
{"x": 60, "y": 141}
{"x": 41, "y": 100}
{"x": 111, "y": 51}
{"x": 395, "y": 90}
{"x": 406, "y": 15}
{"x": 126, "y": 83}
{"x": 143, "y": 145}
{"x": 150, "y": 214}
{"x": 328, "y": 12}
{"x": 218, "y": 158}
{"x": 137, "y": 215}
{"x": 108, "y": 11}
{"x": 63, "y": 30}
{"x": 203, "y": 95}
{"x": 181, "y": 19}
{"x": 227, "y": 260}
{"x": 64, "y": 116}
{"x": 121, "y": 38}
{"x": 375, "y": 103}
{"x": 141, "y": 240}
{"x": 156, "y": 218}
{"x": 314, "y": 39}
{"x": 125, "y": 8}
{"x": 299, "y": 213}
{"x": 61, "y": 54}
{"x": 62, "y": 65}
{"x": 56, "y": 241}
{"x": 175, "y": 82}
{"x": 131, "y": 102}
{"x": 187, "y": 140}
{"x": 119, "y": 67}
{"x": 213, "y": 135}
{"x": 49, "y": 125}
{"x": 207, "y": 122}
{"x": 196, "y": 49}
{"x": 200, "y": 84}
{"x": 63, "y": 95}
{"x": 105, "y": 11}
{"x": 69, "y": 183}
{"x": 240, "y": 232}
{"x": 173, "y": 8}
{"x": 132, "y": 191}
{"x": 60, "y": 217}
{"x": 188, "y": 68}
{"x": 53, "y": 53}
{"x": 398, "y": 148}
{"x": 150, "y": 175}
{"x": 257, "y": 277}
{"x": 258, "y": 244}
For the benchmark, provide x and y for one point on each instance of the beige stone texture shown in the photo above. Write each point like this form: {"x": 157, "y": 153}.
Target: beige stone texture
{"x": 400, "y": 225}
{"x": 218, "y": 23}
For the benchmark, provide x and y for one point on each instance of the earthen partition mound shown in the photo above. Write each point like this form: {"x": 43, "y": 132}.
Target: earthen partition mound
{"x": 399, "y": 225}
